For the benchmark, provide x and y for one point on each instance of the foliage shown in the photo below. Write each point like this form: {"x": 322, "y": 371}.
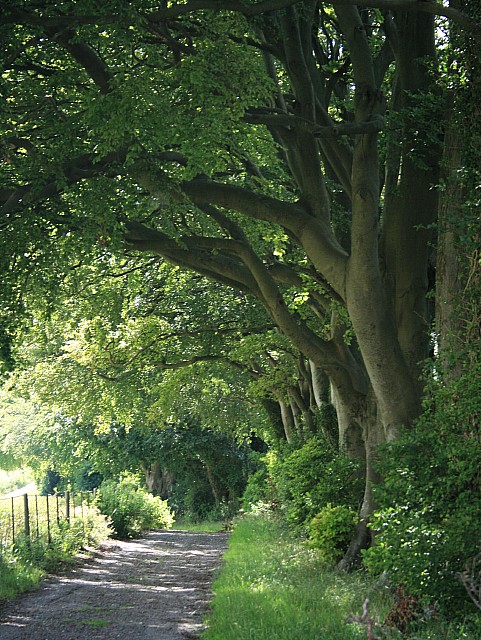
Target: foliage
{"x": 309, "y": 478}
{"x": 24, "y": 563}
{"x": 209, "y": 469}
{"x": 430, "y": 506}
{"x": 331, "y": 530}
{"x": 241, "y": 144}
{"x": 131, "y": 509}
{"x": 11, "y": 480}
{"x": 259, "y": 488}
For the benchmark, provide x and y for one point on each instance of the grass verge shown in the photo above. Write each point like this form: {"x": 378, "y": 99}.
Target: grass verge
{"x": 273, "y": 588}
{"x": 24, "y": 563}
{"x": 206, "y": 526}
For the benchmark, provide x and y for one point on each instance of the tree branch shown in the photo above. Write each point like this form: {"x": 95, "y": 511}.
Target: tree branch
{"x": 219, "y": 267}
{"x": 229, "y": 5}
{"x": 316, "y": 238}
{"x": 86, "y": 57}
{"x": 426, "y": 6}
{"x": 342, "y": 129}
{"x": 79, "y": 168}
{"x": 18, "y": 16}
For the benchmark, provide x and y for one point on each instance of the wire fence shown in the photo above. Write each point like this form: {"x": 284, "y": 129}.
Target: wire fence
{"x": 38, "y": 517}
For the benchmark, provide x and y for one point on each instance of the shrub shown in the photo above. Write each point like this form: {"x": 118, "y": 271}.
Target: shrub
{"x": 131, "y": 509}
{"x": 331, "y": 530}
{"x": 430, "y": 504}
{"x": 309, "y": 478}
{"x": 260, "y": 489}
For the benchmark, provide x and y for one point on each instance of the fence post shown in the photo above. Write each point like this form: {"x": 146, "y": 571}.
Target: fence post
{"x": 36, "y": 517}
{"x": 49, "y": 534}
{"x": 13, "y": 520}
{"x": 67, "y": 505}
{"x": 26, "y": 514}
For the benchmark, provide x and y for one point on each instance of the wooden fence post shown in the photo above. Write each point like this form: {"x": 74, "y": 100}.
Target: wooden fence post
{"x": 26, "y": 514}
{"x": 13, "y": 521}
{"x": 49, "y": 533}
{"x": 67, "y": 505}
{"x": 36, "y": 517}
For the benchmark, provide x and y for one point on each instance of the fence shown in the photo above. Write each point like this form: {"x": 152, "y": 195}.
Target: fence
{"x": 38, "y": 516}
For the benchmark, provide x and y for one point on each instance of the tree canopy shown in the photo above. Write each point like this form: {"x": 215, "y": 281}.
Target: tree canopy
{"x": 284, "y": 158}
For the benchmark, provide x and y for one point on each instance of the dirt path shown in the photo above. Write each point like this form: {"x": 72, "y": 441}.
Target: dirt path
{"x": 155, "y": 588}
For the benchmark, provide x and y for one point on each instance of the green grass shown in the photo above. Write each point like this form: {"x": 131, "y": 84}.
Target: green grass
{"x": 207, "y": 526}
{"x": 272, "y": 588}
{"x": 97, "y": 623}
{"x": 17, "y": 578}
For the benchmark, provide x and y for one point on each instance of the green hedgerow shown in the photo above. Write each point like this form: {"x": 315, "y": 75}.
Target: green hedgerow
{"x": 429, "y": 518}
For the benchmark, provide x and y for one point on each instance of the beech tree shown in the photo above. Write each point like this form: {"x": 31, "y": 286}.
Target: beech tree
{"x": 289, "y": 150}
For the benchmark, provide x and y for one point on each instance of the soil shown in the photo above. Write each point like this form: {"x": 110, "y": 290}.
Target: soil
{"x": 158, "y": 587}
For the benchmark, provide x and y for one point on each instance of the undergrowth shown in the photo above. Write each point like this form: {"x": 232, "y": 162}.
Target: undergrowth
{"x": 272, "y": 587}
{"x": 25, "y": 562}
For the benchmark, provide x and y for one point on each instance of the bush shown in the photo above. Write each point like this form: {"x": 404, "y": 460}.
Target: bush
{"x": 131, "y": 509}
{"x": 331, "y": 530}
{"x": 313, "y": 476}
{"x": 430, "y": 505}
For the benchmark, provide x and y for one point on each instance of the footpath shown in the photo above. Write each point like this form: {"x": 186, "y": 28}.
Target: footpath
{"x": 156, "y": 588}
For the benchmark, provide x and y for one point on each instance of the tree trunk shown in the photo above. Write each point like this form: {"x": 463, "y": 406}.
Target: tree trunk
{"x": 287, "y": 420}
{"x": 374, "y": 435}
{"x": 158, "y": 481}
{"x": 449, "y": 282}
{"x": 273, "y": 411}
{"x": 320, "y": 384}
{"x": 216, "y": 492}
{"x": 351, "y": 440}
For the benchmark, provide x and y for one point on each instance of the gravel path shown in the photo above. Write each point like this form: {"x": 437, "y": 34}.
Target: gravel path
{"x": 158, "y": 588}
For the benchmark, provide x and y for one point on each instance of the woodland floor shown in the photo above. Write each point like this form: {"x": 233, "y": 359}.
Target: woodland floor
{"x": 158, "y": 588}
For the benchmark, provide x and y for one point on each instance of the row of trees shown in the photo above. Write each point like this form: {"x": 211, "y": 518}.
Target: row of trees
{"x": 281, "y": 195}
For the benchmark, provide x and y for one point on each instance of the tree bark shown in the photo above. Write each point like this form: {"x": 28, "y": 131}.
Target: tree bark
{"x": 158, "y": 481}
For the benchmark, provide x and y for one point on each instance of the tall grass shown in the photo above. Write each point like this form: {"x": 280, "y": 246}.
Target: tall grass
{"x": 271, "y": 587}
